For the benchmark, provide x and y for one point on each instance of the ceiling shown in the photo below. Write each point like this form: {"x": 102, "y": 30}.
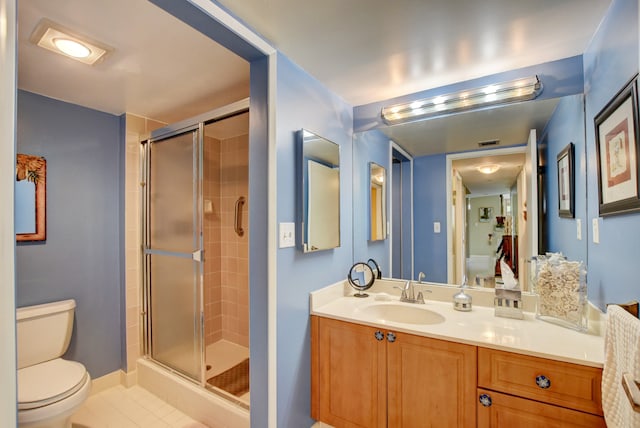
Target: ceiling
{"x": 362, "y": 50}
{"x": 160, "y": 68}
{"x": 500, "y": 181}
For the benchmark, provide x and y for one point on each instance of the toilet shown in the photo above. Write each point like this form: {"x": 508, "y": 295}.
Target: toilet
{"x": 50, "y": 389}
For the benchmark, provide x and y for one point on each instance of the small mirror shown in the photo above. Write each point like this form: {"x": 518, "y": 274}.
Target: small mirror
{"x": 361, "y": 277}
{"x": 319, "y": 214}
{"x": 30, "y": 198}
{"x": 377, "y": 202}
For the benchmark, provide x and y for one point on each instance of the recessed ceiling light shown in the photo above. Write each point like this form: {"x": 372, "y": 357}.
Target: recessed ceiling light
{"x": 61, "y": 40}
{"x": 72, "y": 48}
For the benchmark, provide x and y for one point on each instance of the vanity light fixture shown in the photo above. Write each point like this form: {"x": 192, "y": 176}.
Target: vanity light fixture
{"x": 498, "y": 93}
{"x": 488, "y": 168}
{"x": 58, "y": 39}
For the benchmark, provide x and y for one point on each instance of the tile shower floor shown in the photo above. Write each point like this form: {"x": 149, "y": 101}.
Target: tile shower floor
{"x": 121, "y": 407}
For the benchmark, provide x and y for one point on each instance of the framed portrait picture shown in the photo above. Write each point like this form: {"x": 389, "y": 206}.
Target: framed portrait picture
{"x": 617, "y": 153}
{"x": 485, "y": 214}
{"x": 566, "y": 182}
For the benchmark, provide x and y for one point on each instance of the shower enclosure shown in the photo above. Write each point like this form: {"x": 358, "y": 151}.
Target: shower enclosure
{"x": 195, "y": 250}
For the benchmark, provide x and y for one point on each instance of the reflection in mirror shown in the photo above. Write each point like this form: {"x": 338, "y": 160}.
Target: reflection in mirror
{"x": 30, "y": 198}
{"x": 556, "y": 121}
{"x": 377, "y": 202}
{"x": 319, "y": 207}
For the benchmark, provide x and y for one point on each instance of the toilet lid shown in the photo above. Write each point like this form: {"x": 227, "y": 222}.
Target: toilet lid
{"x": 48, "y": 382}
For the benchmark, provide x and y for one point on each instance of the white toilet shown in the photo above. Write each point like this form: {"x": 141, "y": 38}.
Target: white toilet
{"x": 50, "y": 389}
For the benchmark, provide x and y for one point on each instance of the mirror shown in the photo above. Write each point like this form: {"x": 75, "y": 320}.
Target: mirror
{"x": 557, "y": 121}
{"x": 361, "y": 277}
{"x": 377, "y": 202}
{"x": 30, "y": 198}
{"x": 319, "y": 198}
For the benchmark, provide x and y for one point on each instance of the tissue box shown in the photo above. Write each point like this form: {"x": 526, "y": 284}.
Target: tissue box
{"x": 561, "y": 288}
{"x": 508, "y": 303}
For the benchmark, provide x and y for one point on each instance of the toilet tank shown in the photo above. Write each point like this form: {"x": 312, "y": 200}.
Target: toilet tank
{"x": 43, "y": 331}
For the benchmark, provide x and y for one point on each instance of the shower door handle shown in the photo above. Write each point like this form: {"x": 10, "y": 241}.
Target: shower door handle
{"x": 238, "y": 216}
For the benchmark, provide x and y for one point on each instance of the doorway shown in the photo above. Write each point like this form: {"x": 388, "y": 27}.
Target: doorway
{"x": 487, "y": 208}
{"x": 401, "y": 217}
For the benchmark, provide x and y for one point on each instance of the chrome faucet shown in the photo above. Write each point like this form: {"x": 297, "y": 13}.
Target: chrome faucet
{"x": 421, "y": 276}
{"x": 408, "y": 294}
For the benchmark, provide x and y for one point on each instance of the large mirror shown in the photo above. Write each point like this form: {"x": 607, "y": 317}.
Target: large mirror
{"x": 377, "y": 202}
{"x": 30, "y": 198}
{"x": 319, "y": 196}
{"x": 448, "y": 189}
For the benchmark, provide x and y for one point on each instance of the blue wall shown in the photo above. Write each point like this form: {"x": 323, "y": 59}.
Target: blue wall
{"x": 368, "y": 147}
{"x": 81, "y": 257}
{"x": 302, "y": 102}
{"x": 566, "y": 125}
{"x": 430, "y": 205}
{"x": 610, "y": 60}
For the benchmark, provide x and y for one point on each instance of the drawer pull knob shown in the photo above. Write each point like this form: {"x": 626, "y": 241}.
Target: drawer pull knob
{"x": 485, "y": 400}
{"x": 543, "y": 382}
{"x": 379, "y": 335}
{"x": 391, "y": 337}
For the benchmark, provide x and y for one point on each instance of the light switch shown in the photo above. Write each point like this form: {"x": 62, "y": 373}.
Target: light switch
{"x": 579, "y": 229}
{"x": 436, "y": 227}
{"x": 287, "y": 235}
{"x": 596, "y": 231}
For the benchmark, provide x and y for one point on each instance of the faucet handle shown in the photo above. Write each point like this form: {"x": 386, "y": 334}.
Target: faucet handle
{"x": 420, "y": 298}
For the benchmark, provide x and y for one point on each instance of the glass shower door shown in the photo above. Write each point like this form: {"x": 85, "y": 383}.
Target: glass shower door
{"x": 173, "y": 252}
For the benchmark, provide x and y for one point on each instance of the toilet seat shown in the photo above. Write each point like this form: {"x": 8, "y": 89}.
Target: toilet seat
{"x": 49, "y": 382}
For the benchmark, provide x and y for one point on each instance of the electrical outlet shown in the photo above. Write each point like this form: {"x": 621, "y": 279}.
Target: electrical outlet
{"x": 579, "y": 229}
{"x": 436, "y": 227}
{"x": 596, "y": 231}
{"x": 287, "y": 235}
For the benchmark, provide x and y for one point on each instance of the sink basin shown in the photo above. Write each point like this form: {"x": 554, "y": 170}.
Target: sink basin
{"x": 403, "y": 313}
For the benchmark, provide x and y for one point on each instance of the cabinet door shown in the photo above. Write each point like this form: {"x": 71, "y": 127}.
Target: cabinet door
{"x": 348, "y": 367}
{"x": 432, "y": 383}
{"x": 506, "y": 411}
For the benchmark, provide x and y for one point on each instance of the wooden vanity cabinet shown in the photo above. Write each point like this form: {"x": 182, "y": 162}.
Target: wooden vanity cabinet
{"x": 373, "y": 377}
{"x": 521, "y": 390}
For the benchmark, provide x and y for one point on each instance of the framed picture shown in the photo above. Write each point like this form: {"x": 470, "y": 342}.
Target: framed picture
{"x": 617, "y": 153}
{"x": 566, "y": 182}
{"x": 485, "y": 214}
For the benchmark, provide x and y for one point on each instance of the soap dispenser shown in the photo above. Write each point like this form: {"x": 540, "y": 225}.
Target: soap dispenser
{"x": 461, "y": 300}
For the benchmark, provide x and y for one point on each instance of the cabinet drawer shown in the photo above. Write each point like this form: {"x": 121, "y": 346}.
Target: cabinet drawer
{"x": 564, "y": 384}
{"x": 505, "y": 411}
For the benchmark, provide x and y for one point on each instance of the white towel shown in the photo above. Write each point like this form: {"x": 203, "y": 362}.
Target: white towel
{"x": 621, "y": 355}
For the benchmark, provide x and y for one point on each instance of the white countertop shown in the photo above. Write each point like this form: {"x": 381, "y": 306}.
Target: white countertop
{"x": 479, "y": 327}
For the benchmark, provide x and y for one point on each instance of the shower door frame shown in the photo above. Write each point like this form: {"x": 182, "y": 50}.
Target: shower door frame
{"x": 197, "y": 255}
{"x": 189, "y": 125}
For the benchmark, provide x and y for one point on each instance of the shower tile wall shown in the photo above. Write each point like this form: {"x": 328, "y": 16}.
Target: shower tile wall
{"x": 137, "y": 129}
{"x": 226, "y": 288}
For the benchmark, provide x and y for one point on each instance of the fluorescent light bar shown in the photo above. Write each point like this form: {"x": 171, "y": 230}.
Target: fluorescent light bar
{"x": 56, "y": 38}
{"x": 501, "y": 93}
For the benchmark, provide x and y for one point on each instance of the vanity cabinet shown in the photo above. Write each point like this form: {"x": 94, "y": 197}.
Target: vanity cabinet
{"x": 521, "y": 390}
{"x": 374, "y": 377}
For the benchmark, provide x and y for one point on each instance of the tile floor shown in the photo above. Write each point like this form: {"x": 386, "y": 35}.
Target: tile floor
{"x": 134, "y": 407}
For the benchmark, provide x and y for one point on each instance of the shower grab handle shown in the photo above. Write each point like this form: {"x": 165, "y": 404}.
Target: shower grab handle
{"x": 238, "y": 216}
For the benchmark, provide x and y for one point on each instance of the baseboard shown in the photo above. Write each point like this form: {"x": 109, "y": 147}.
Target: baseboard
{"x": 110, "y": 380}
{"x": 105, "y": 382}
{"x": 128, "y": 379}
